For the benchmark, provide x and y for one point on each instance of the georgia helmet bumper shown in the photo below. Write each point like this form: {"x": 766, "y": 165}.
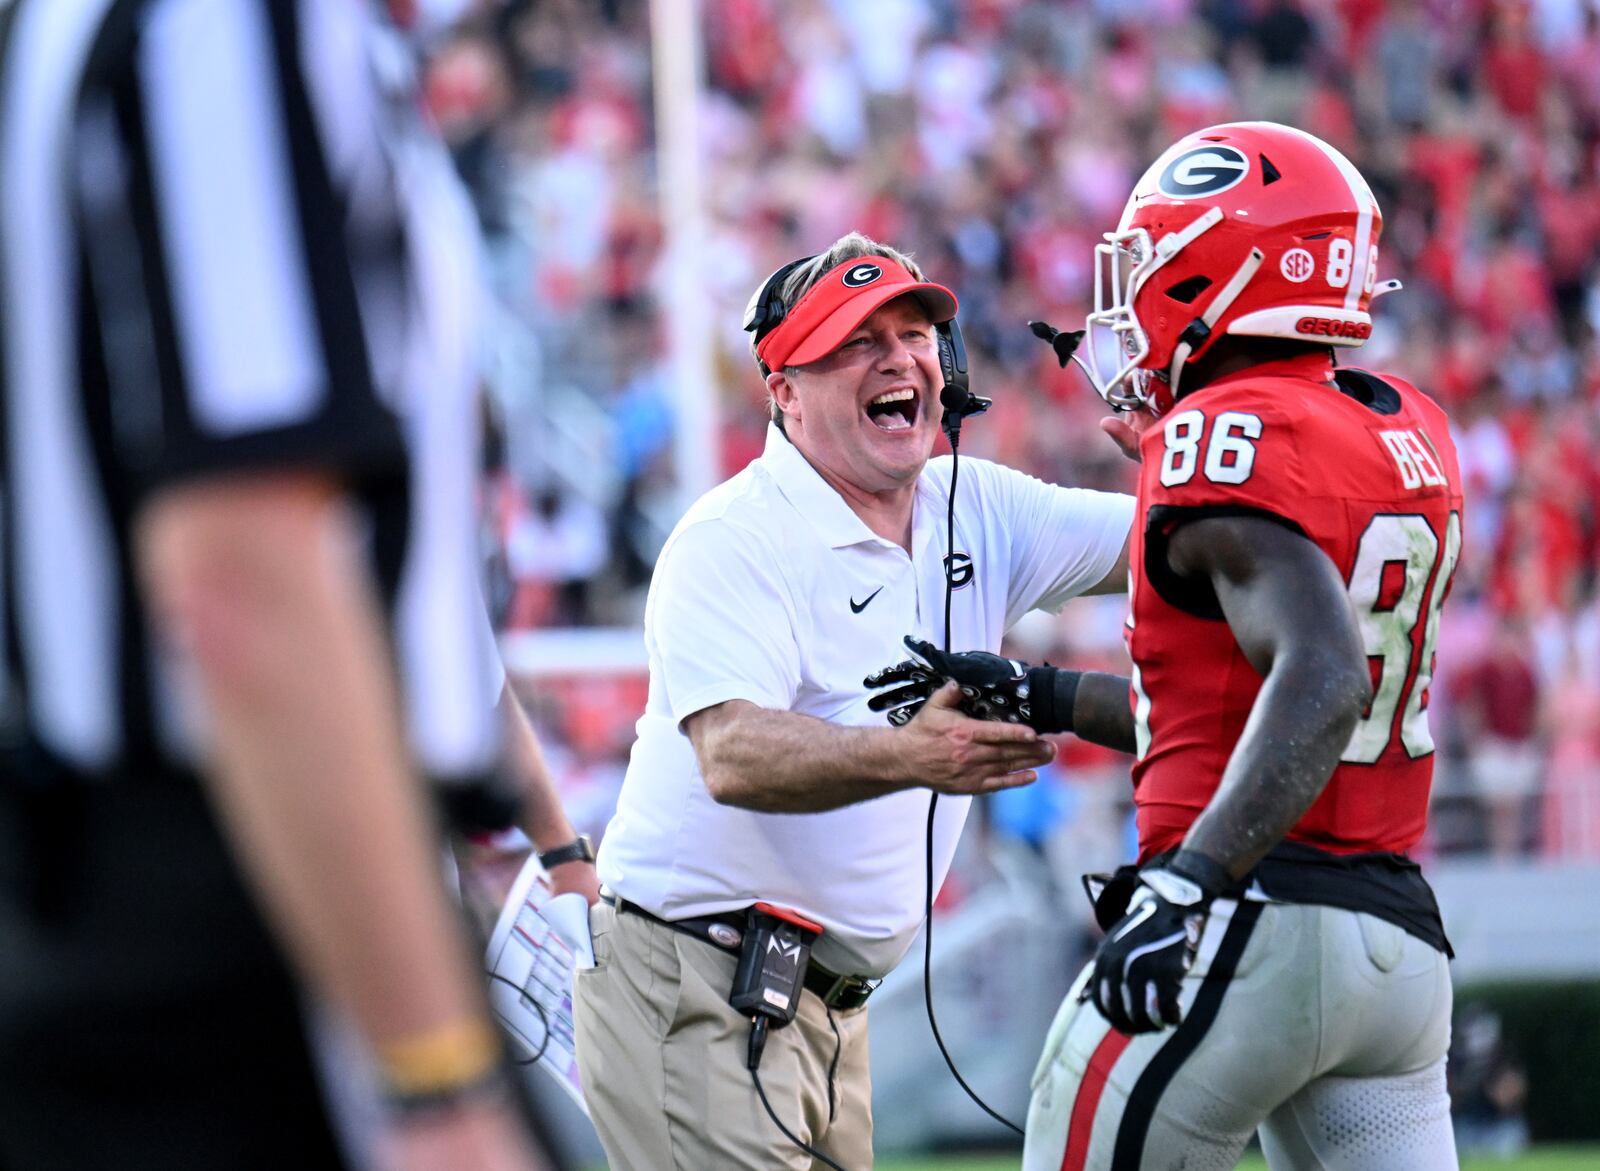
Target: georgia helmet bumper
{"x": 1252, "y": 229}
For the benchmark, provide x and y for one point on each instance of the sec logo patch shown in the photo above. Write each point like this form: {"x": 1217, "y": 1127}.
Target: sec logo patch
{"x": 1297, "y": 265}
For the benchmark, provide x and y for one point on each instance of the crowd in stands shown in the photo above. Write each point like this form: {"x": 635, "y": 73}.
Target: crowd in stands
{"x": 996, "y": 140}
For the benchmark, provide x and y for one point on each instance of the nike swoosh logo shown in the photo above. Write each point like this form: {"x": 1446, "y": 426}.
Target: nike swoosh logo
{"x": 856, "y": 607}
{"x": 1135, "y": 919}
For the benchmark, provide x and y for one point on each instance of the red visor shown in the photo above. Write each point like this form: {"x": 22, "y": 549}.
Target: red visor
{"x": 845, "y": 297}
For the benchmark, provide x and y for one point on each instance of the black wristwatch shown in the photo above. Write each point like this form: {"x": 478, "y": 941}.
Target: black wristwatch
{"x": 581, "y": 850}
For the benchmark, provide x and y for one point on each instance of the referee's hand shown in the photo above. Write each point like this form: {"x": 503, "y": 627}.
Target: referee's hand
{"x": 953, "y": 753}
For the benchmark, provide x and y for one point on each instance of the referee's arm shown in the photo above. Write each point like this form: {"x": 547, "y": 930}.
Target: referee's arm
{"x": 260, "y": 584}
{"x": 244, "y": 548}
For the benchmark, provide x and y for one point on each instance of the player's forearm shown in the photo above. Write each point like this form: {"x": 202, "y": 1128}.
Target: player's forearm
{"x": 1301, "y": 722}
{"x": 308, "y": 769}
{"x": 781, "y": 762}
{"x": 1092, "y": 705}
{"x": 1101, "y": 713}
{"x": 543, "y": 818}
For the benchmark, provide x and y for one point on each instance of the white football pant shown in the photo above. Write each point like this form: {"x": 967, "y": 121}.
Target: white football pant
{"x": 1326, "y": 1029}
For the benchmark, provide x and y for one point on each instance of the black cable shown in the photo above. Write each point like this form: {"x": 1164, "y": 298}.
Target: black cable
{"x": 758, "y": 1040}
{"x": 927, "y": 984}
{"x": 544, "y": 1019}
{"x": 954, "y": 434}
{"x": 833, "y": 1068}
{"x": 787, "y": 1133}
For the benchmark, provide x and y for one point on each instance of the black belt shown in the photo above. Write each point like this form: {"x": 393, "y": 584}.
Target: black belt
{"x": 725, "y": 932}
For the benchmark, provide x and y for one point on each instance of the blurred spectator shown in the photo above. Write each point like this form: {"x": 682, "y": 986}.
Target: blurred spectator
{"x": 1407, "y": 52}
{"x": 1571, "y": 823}
{"x": 1487, "y": 1087}
{"x": 1513, "y": 66}
{"x": 556, "y": 549}
{"x": 1284, "y": 37}
{"x": 1497, "y": 700}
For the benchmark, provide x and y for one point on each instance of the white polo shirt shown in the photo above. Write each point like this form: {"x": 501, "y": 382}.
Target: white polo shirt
{"x": 772, "y": 590}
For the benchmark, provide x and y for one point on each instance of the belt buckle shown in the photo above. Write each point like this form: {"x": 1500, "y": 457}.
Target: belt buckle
{"x": 848, "y": 992}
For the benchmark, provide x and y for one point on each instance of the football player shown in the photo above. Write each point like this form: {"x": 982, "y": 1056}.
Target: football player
{"x": 1275, "y": 961}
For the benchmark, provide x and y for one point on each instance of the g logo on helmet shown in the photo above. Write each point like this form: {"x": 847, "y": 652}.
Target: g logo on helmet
{"x": 1205, "y": 170}
{"x": 862, "y": 274}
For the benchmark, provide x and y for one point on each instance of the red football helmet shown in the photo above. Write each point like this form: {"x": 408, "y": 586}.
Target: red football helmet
{"x": 1252, "y": 228}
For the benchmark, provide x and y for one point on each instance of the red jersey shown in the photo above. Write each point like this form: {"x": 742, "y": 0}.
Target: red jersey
{"x": 1377, "y": 487}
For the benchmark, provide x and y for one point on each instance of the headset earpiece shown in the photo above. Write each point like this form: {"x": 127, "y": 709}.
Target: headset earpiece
{"x": 952, "y": 366}
{"x": 766, "y": 309}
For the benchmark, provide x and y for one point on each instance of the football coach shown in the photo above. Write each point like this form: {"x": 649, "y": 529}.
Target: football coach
{"x": 760, "y": 775}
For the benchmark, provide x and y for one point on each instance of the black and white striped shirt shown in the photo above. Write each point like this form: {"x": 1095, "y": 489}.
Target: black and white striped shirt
{"x": 226, "y": 244}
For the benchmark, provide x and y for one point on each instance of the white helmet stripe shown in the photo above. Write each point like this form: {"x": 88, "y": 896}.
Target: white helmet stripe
{"x": 1366, "y": 206}
{"x": 1358, "y": 274}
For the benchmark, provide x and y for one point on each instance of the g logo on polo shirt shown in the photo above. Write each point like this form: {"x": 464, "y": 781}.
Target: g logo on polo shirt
{"x": 862, "y": 274}
{"x": 958, "y": 570}
{"x": 1205, "y": 170}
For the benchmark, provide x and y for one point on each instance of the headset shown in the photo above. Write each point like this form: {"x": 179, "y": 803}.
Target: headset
{"x": 767, "y": 310}
{"x": 764, "y": 313}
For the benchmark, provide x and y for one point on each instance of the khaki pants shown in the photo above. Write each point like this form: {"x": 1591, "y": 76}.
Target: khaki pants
{"x": 662, "y": 1055}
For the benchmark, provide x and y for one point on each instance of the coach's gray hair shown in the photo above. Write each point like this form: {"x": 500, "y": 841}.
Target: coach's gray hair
{"x": 798, "y": 283}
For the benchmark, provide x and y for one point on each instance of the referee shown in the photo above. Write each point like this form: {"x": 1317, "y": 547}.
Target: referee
{"x": 239, "y": 598}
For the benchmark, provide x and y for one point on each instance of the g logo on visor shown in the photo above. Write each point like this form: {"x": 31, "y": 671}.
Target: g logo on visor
{"x": 1205, "y": 170}
{"x": 862, "y": 274}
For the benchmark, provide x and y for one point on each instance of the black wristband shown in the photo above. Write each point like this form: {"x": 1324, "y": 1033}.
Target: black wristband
{"x": 580, "y": 849}
{"x": 490, "y": 1087}
{"x": 1206, "y": 873}
{"x": 1051, "y": 693}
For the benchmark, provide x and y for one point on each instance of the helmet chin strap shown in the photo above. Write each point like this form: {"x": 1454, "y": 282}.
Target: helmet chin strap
{"x": 1198, "y": 330}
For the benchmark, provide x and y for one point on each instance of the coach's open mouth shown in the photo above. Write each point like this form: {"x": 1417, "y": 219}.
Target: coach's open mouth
{"x": 895, "y": 410}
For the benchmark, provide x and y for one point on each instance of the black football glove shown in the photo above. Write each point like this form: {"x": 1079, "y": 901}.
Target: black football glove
{"x": 992, "y": 687}
{"x": 1140, "y": 965}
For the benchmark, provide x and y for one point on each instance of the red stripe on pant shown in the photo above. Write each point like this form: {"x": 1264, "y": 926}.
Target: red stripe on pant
{"x": 1081, "y": 1128}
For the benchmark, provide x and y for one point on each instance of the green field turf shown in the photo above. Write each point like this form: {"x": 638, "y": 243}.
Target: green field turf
{"x": 1585, "y": 1158}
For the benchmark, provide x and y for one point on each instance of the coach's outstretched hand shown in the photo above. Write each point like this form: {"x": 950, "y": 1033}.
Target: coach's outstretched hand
{"x": 992, "y": 687}
{"x": 950, "y": 752}
{"x": 1140, "y": 965}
